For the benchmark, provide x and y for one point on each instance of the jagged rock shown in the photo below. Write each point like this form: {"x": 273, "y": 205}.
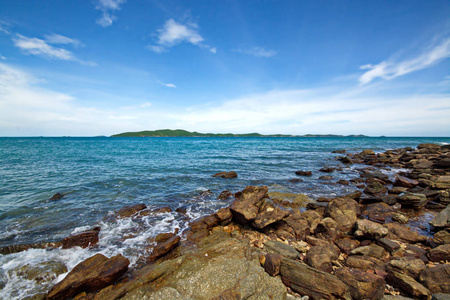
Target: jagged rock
{"x": 370, "y": 230}
{"x": 364, "y": 263}
{"x": 436, "y": 279}
{"x": 442, "y": 182}
{"x": 303, "y": 173}
{"x": 164, "y": 247}
{"x": 408, "y": 265}
{"x": 42, "y": 272}
{"x": 372, "y": 250}
{"x": 162, "y": 237}
{"x": 90, "y": 275}
{"x": 344, "y": 212}
{"x": 224, "y": 216}
{"x": 347, "y": 245}
{"x": 442, "y": 220}
{"x": 388, "y": 245}
{"x": 367, "y": 152}
{"x": 397, "y": 190}
{"x": 272, "y": 264}
{"x": 440, "y": 253}
{"x": 443, "y": 163}
{"x": 328, "y": 229}
{"x": 441, "y": 237}
{"x": 403, "y": 181}
{"x": 375, "y": 188}
{"x": 230, "y": 174}
{"x": 268, "y": 217}
{"x": 281, "y": 249}
{"x": 429, "y": 146}
{"x": 246, "y": 207}
{"x": 375, "y": 174}
{"x": 398, "y": 231}
{"x": 408, "y": 285}
{"x": 312, "y": 217}
{"x": 225, "y": 195}
{"x": 414, "y": 200}
{"x": 292, "y": 228}
{"x": 362, "y": 285}
{"x": 83, "y": 239}
{"x": 23, "y": 247}
{"x": 377, "y": 211}
{"x": 128, "y": 211}
{"x": 320, "y": 257}
{"x": 56, "y": 197}
{"x": 311, "y": 282}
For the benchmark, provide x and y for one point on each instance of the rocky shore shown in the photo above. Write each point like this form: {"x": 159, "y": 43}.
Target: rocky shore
{"x": 365, "y": 245}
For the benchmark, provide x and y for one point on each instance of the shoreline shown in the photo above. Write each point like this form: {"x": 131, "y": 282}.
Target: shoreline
{"x": 320, "y": 239}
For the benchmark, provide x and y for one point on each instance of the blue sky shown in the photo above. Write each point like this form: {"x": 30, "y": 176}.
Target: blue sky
{"x": 99, "y": 67}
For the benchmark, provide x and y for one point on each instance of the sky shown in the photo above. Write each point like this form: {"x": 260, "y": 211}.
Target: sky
{"x": 101, "y": 67}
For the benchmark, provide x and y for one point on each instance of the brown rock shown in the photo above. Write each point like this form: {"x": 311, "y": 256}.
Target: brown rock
{"x": 312, "y": 282}
{"x": 370, "y": 230}
{"x": 90, "y": 275}
{"x": 224, "y": 216}
{"x": 388, "y": 245}
{"x": 377, "y": 211}
{"x": 398, "y": 231}
{"x": 128, "y": 211}
{"x": 56, "y": 197}
{"x": 442, "y": 237}
{"x": 440, "y": 253}
{"x": 164, "y": 247}
{"x": 327, "y": 169}
{"x": 281, "y": 249}
{"x": 83, "y": 239}
{"x": 347, "y": 245}
{"x": 231, "y": 174}
{"x": 162, "y": 237}
{"x": 375, "y": 188}
{"x": 272, "y": 264}
{"x": 367, "y": 152}
{"x": 303, "y": 173}
{"x": 436, "y": 279}
{"x": 364, "y": 263}
{"x": 442, "y": 182}
{"x": 225, "y": 195}
{"x": 413, "y": 200}
{"x": 344, "y": 212}
{"x": 246, "y": 207}
{"x": 372, "y": 250}
{"x": 405, "y": 182}
{"x": 407, "y": 265}
{"x": 328, "y": 229}
{"x": 320, "y": 257}
{"x": 362, "y": 285}
{"x": 442, "y": 220}
{"x": 268, "y": 217}
{"x": 408, "y": 285}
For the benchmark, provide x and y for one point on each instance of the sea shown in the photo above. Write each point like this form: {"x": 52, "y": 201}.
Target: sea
{"x": 100, "y": 175}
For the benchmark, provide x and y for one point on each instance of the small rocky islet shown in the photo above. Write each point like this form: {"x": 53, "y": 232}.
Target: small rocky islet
{"x": 365, "y": 245}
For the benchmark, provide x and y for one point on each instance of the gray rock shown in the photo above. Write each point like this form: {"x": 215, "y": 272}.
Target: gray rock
{"x": 442, "y": 220}
{"x": 440, "y": 296}
{"x": 370, "y": 230}
{"x": 282, "y": 249}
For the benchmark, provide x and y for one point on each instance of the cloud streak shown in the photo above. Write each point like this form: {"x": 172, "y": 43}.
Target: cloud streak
{"x": 61, "y": 39}
{"x": 108, "y": 7}
{"x": 391, "y": 69}
{"x": 257, "y": 52}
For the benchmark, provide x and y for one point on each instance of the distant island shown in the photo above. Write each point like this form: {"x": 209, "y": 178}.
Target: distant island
{"x": 185, "y": 133}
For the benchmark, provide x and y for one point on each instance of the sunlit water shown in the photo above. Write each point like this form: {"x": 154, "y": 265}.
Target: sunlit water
{"x": 101, "y": 175}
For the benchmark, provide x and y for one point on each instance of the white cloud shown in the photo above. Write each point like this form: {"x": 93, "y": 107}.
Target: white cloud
{"x": 174, "y": 33}
{"x": 169, "y": 85}
{"x": 60, "y": 39}
{"x": 258, "y": 52}
{"x": 391, "y": 69}
{"x": 4, "y": 27}
{"x": 107, "y": 7}
{"x": 39, "y": 47}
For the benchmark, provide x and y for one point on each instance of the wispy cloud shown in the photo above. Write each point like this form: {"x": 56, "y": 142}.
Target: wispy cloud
{"x": 257, "y": 51}
{"x": 4, "y": 27}
{"x": 61, "y": 39}
{"x": 392, "y": 69}
{"x": 169, "y": 85}
{"x": 173, "y": 33}
{"x": 108, "y": 7}
{"x": 42, "y": 48}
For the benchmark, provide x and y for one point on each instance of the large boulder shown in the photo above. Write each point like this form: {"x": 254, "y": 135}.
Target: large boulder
{"x": 440, "y": 253}
{"x": 321, "y": 257}
{"x": 403, "y": 233}
{"x": 436, "y": 279}
{"x": 344, "y": 212}
{"x": 442, "y": 220}
{"x": 362, "y": 285}
{"x": 328, "y": 229}
{"x": 442, "y": 237}
{"x": 409, "y": 265}
{"x": 408, "y": 285}
{"x": 270, "y": 216}
{"x": 311, "y": 282}
{"x": 90, "y": 275}
{"x": 246, "y": 207}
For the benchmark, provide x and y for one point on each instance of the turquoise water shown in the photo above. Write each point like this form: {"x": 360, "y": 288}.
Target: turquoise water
{"x": 101, "y": 175}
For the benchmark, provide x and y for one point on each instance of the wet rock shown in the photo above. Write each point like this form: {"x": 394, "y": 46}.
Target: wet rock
{"x": 436, "y": 279}
{"x": 413, "y": 200}
{"x": 375, "y": 174}
{"x": 441, "y": 237}
{"x": 362, "y": 285}
{"x": 344, "y": 211}
{"x": 345, "y": 160}
{"x": 403, "y": 233}
{"x": 42, "y": 272}
{"x": 23, "y": 247}
{"x": 90, "y": 275}
{"x": 429, "y": 146}
{"x": 355, "y": 195}
{"x": 347, "y": 245}
{"x": 327, "y": 170}
{"x": 370, "y": 230}
{"x": 326, "y": 177}
{"x": 268, "y": 217}
{"x": 162, "y": 237}
{"x": 272, "y": 264}
{"x": 246, "y": 207}
{"x": 375, "y": 188}
{"x": 442, "y": 220}
{"x": 225, "y": 195}
{"x": 338, "y": 151}
{"x": 161, "y": 210}
{"x": 321, "y": 257}
{"x": 290, "y": 200}
{"x": 367, "y": 152}
{"x": 281, "y": 249}
{"x": 377, "y": 211}
{"x": 311, "y": 282}
{"x": 128, "y": 211}
{"x": 443, "y": 163}
{"x": 56, "y": 197}
{"x": 303, "y": 173}
{"x": 164, "y": 247}
{"x": 399, "y": 217}
{"x": 397, "y": 190}
{"x": 403, "y": 181}
{"x": 83, "y": 239}
{"x": 408, "y": 265}
{"x": 372, "y": 250}
{"x": 440, "y": 253}
{"x": 230, "y": 174}
{"x": 408, "y": 285}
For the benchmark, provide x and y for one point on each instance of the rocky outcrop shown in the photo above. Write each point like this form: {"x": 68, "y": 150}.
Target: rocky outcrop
{"x": 413, "y": 200}
{"x": 344, "y": 211}
{"x": 436, "y": 279}
{"x": 246, "y": 207}
{"x": 270, "y": 216}
{"x": 164, "y": 247}
{"x": 403, "y": 233}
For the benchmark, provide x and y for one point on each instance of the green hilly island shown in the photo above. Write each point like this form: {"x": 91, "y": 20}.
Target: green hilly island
{"x": 185, "y": 133}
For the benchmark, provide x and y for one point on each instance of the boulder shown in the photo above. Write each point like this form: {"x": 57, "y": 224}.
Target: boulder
{"x": 440, "y": 253}
{"x": 321, "y": 257}
{"x": 272, "y": 264}
{"x": 246, "y": 207}
{"x": 42, "y": 272}
{"x": 443, "y": 163}
{"x": 311, "y": 282}
{"x": 364, "y": 263}
{"x": 375, "y": 174}
{"x": 328, "y": 229}
{"x": 224, "y": 216}
{"x": 345, "y": 160}
{"x": 270, "y": 216}
{"x": 442, "y": 182}
{"x": 377, "y": 211}
{"x": 375, "y": 188}
{"x": 441, "y": 237}
{"x": 344, "y": 212}
{"x": 327, "y": 170}
{"x": 403, "y": 181}
{"x": 403, "y": 233}
{"x": 225, "y": 195}
{"x": 408, "y": 285}
{"x": 362, "y": 285}
{"x": 230, "y": 174}
{"x": 164, "y": 247}
{"x": 281, "y": 249}
{"x": 436, "y": 279}
{"x": 372, "y": 250}
{"x": 442, "y": 220}
{"x": 83, "y": 239}
{"x": 90, "y": 275}
{"x": 367, "y": 152}
{"x": 292, "y": 228}
{"x": 303, "y": 173}
{"x": 346, "y": 245}
{"x": 407, "y": 265}
{"x": 128, "y": 211}
{"x": 370, "y": 230}
{"x": 388, "y": 245}
{"x": 413, "y": 200}
{"x": 429, "y": 146}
